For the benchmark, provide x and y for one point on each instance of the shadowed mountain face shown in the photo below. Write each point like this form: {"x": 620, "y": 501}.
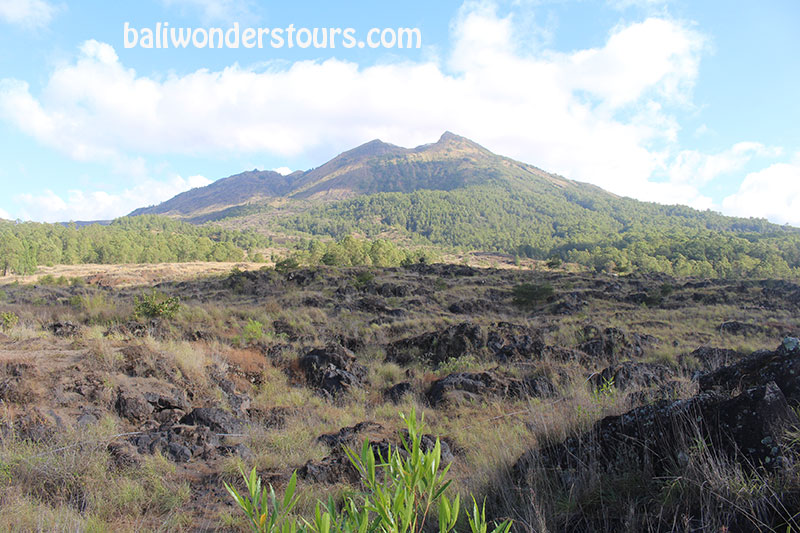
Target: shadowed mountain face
{"x": 234, "y": 190}
{"x": 453, "y": 162}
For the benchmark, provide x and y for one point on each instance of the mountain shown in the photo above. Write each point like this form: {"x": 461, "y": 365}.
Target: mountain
{"x": 234, "y": 190}
{"x": 456, "y": 194}
{"x": 375, "y": 167}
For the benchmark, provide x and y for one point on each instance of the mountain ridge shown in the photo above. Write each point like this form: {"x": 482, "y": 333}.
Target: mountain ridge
{"x": 374, "y": 167}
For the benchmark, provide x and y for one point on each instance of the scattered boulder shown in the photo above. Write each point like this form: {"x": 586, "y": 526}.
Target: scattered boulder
{"x": 444, "y": 270}
{"x": 508, "y": 341}
{"x": 396, "y": 392}
{"x": 336, "y": 468}
{"x": 214, "y": 418}
{"x": 332, "y": 370}
{"x": 471, "y": 386}
{"x": 138, "y": 400}
{"x": 746, "y": 426}
{"x": 502, "y": 341}
{"x": 436, "y": 347}
{"x": 654, "y": 438}
{"x": 613, "y": 344}
{"x": 631, "y": 374}
{"x": 181, "y": 443}
{"x": 346, "y": 435}
{"x": 389, "y": 290}
{"x": 712, "y": 358}
{"x": 781, "y": 366}
{"x": 734, "y": 327}
{"x": 64, "y": 329}
{"x": 377, "y": 306}
{"x": 132, "y": 405}
{"x": 470, "y": 307}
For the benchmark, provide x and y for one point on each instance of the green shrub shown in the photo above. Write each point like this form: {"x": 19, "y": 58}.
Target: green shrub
{"x": 253, "y": 331}
{"x": 156, "y": 305}
{"x": 530, "y": 294}
{"x": 286, "y": 265}
{"x": 8, "y": 320}
{"x": 402, "y": 492}
{"x": 554, "y": 262}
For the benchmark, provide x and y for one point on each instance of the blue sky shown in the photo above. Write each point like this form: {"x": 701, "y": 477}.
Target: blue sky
{"x": 671, "y": 101}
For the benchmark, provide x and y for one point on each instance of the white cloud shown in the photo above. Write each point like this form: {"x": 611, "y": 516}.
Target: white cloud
{"x": 654, "y": 55}
{"x": 283, "y": 171}
{"x": 99, "y": 205}
{"x": 593, "y": 115}
{"x": 215, "y": 10}
{"x": 697, "y": 168}
{"x": 27, "y": 13}
{"x": 772, "y": 193}
{"x": 4, "y": 214}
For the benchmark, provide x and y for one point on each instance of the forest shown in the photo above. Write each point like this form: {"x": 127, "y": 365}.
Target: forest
{"x": 579, "y": 225}
{"x": 143, "y": 239}
{"x": 599, "y": 231}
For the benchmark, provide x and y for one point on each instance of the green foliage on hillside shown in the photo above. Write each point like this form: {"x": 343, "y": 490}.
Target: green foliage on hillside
{"x": 351, "y": 251}
{"x": 144, "y": 239}
{"x": 577, "y": 224}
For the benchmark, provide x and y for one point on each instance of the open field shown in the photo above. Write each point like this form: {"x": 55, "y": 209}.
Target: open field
{"x": 128, "y": 400}
{"x": 128, "y": 275}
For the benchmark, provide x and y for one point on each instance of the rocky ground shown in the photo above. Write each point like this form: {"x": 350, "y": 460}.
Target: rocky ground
{"x": 572, "y": 401}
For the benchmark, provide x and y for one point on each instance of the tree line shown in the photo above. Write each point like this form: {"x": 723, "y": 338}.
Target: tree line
{"x": 584, "y": 226}
{"x": 141, "y": 239}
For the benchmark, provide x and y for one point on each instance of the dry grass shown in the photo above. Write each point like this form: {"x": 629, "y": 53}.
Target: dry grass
{"x": 489, "y": 436}
{"x": 132, "y": 274}
{"x": 68, "y": 483}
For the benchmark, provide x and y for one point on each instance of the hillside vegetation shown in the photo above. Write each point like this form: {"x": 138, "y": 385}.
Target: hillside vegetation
{"x": 451, "y": 196}
{"x": 455, "y": 194}
{"x": 586, "y": 227}
{"x": 145, "y": 239}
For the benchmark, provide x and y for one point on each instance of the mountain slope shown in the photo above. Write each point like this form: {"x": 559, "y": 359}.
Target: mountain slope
{"x": 226, "y": 192}
{"x": 451, "y": 163}
{"x": 456, "y": 194}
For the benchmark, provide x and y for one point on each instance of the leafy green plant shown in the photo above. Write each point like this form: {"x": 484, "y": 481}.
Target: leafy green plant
{"x": 8, "y": 320}
{"x": 156, "y": 305}
{"x": 266, "y": 513}
{"x": 412, "y": 484}
{"x": 606, "y": 391}
{"x": 253, "y": 331}
{"x": 402, "y": 492}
